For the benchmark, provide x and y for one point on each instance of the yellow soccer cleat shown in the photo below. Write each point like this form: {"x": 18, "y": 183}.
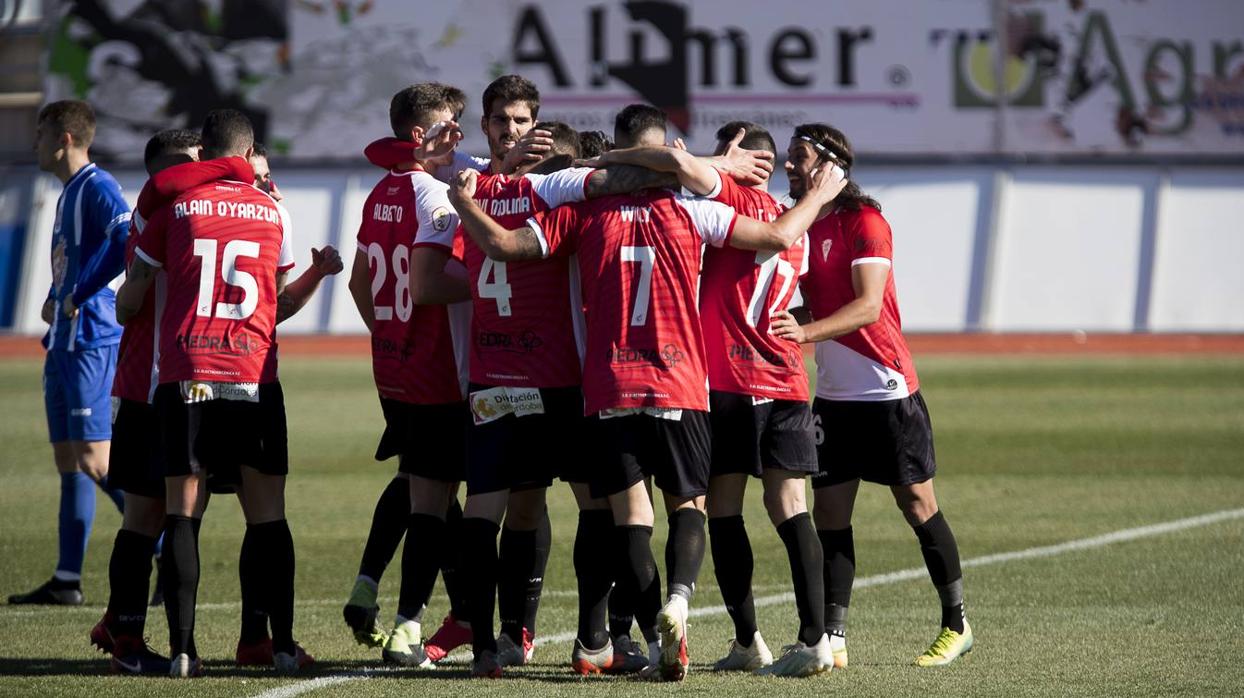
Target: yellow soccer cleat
{"x": 948, "y": 647}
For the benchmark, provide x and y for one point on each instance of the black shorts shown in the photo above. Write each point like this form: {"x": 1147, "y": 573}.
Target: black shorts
{"x": 675, "y": 454}
{"x": 888, "y": 442}
{"x": 749, "y": 437}
{"x": 220, "y": 436}
{"x": 136, "y": 458}
{"x": 523, "y": 453}
{"x": 428, "y": 440}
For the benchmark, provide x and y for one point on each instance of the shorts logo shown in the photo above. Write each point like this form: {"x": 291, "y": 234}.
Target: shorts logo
{"x": 891, "y": 384}
{"x": 494, "y": 403}
{"x": 440, "y": 219}
{"x": 825, "y": 245}
{"x": 80, "y": 412}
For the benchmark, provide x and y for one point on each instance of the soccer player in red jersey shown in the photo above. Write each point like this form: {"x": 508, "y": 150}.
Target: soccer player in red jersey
{"x": 254, "y": 646}
{"x": 762, "y": 426}
{"x": 135, "y": 463}
{"x": 402, "y": 280}
{"x": 644, "y": 376}
{"x": 218, "y": 399}
{"x": 872, "y": 423}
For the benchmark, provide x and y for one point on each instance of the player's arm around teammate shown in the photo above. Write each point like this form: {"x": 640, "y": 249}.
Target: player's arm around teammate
{"x": 874, "y": 421}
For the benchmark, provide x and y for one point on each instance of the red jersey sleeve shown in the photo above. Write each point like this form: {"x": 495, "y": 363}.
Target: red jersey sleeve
{"x": 557, "y": 229}
{"x": 869, "y": 239}
{"x": 153, "y": 243}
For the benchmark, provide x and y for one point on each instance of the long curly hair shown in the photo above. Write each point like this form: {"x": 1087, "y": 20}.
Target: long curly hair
{"x": 839, "y": 150}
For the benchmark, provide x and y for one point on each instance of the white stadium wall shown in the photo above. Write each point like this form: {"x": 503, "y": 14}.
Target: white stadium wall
{"x": 977, "y": 248}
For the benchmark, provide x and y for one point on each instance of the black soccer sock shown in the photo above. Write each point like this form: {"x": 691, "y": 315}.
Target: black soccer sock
{"x": 684, "y": 551}
{"x": 622, "y": 595}
{"x": 180, "y": 564}
{"x": 838, "y": 548}
{"x": 535, "y": 579}
{"x": 422, "y": 557}
{"x": 251, "y": 568}
{"x": 594, "y": 578}
{"x": 478, "y": 562}
{"x": 129, "y": 574}
{"x": 732, "y": 564}
{"x": 455, "y": 588}
{"x": 388, "y": 525}
{"x": 517, "y": 558}
{"x": 807, "y": 568}
{"x": 640, "y": 572}
{"x": 275, "y": 544}
{"x": 941, "y": 558}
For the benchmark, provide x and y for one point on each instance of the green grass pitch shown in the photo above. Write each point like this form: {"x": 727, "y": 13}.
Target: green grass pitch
{"x": 1033, "y": 452}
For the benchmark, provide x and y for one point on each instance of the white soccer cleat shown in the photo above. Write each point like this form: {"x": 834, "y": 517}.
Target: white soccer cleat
{"x": 838, "y": 645}
{"x": 672, "y": 624}
{"x": 741, "y": 658}
{"x": 183, "y": 667}
{"x": 801, "y": 660}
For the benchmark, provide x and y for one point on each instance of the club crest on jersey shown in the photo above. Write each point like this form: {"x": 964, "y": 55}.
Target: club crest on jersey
{"x": 440, "y": 219}
{"x": 825, "y": 245}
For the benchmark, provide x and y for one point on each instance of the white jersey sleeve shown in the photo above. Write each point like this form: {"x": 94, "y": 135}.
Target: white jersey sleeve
{"x": 436, "y": 217}
{"x": 712, "y": 220}
{"x": 561, "y": 187}
{"x": 462, "y": 161}
{"x": 286, "y": 260}
{"x": 716, "y": 192}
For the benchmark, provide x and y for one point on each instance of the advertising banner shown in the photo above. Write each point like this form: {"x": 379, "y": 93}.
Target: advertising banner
{"x": 1079, "y": 77}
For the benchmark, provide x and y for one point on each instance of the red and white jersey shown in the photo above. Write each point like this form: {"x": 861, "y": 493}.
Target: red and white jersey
{"x": 522, "y": 320}
{"x": 639, "y": 266}
{"x": 137, "y": 373}
{"x": 220, "y": 245}
{"x": 418, "y": 351}
{"x": 873, "y": 362}
{"x": 739, "y": 292}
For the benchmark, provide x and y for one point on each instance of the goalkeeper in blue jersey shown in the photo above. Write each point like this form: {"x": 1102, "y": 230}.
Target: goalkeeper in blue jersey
{"x": 88, "y": 251}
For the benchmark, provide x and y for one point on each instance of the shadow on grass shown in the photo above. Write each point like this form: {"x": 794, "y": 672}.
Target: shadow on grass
{"x": 544, "y": 673}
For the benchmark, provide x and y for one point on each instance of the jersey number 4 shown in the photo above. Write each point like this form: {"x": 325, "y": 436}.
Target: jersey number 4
{"x": 498, "y": 289}
{"x": 402, "y": 302}
{"x": 230, "y": 274}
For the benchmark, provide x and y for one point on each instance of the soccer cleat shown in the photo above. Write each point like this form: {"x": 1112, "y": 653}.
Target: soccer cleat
{"x": 741, "y": 658}
{"x": 132, "y": 655}
{"x": 452, "y": 634}
{"x": 838, "y": 645}
{"x": 405, "y": 648}
{"x": 486, "y": 666}
{"x": 672, "y": 624}
{"x": 286, "y": 664}
{"x": 584, "y": 661}
{"x": 948, "y": 647}
{"x": 801, "y": 660}
{"x": 360, "y": 614}
{"x": 260, "y": 654}
{"x": 510, "y": 654}
{"x": 101, "y": 634}
{"x": 53, "y": 592}
{"x": 183, "y": 667}
{"x": 628, "y": 657}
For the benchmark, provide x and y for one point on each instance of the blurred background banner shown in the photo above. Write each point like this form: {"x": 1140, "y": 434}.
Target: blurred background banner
{"x": 1114, "y": 77}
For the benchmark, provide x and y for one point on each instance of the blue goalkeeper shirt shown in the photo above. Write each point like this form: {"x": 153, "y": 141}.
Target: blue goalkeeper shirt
{"x": 88, "y": 251}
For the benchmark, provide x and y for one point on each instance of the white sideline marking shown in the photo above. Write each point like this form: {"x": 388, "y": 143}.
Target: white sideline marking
{"x": 1127, "y": 534}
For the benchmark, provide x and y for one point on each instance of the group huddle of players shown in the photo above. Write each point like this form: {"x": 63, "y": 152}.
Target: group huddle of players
{"x": 614, "y": 315}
